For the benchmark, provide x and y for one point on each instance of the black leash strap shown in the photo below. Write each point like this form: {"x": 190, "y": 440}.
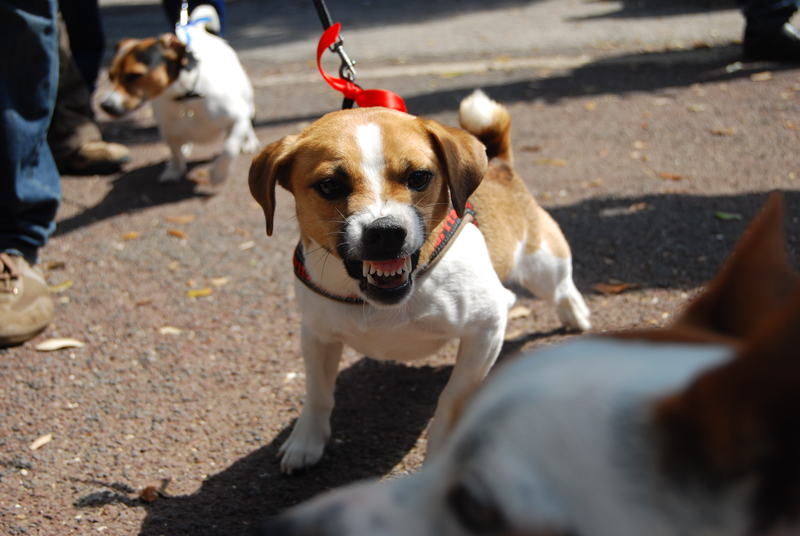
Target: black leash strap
{"x": 346, "y": 69}
{"x": 324, "y": 14}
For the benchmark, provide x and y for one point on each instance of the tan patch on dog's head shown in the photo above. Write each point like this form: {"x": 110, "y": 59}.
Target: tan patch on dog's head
{"x": 142, "y": 69}
{"x": 329, "y": 157}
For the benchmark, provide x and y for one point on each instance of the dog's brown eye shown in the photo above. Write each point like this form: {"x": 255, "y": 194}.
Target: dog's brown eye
{"x": 130, "y": 78}
{"x": 332, "y": 189}
{"x": 419, "y": 180}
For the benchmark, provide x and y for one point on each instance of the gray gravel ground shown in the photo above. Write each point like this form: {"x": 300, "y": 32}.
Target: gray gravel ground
{"x": 651, "y": 146}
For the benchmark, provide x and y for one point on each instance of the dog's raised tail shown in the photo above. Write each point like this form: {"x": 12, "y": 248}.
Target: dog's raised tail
{"x": 206, "y": 16}
{"x": 489, "y": 121}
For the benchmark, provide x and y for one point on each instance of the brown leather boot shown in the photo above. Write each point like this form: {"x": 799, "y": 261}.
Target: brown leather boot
{"x": 26, "y": 307}
{"x": 95, "y": 158}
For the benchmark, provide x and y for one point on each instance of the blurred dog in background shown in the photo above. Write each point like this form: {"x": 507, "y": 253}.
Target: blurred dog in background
{"x": 197, "y": 87}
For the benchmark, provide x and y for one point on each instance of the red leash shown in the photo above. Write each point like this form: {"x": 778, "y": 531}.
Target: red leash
{"x": 363, "y": 97}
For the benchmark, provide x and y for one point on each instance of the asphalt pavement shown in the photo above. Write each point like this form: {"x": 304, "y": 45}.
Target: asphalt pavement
{"x": 636, "y": 123}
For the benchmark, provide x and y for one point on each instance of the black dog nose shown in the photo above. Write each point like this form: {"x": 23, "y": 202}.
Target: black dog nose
{"x": 109, "y": 107}
{"x": 383, "y": 239}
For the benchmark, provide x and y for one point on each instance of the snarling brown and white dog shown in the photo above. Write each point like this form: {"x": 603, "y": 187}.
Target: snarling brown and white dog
{"x": 690, "y": 430}
{"x": 388, "y": 261}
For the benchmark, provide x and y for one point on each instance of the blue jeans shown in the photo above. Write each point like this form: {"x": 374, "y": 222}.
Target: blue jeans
{"x": 30, "y": 187}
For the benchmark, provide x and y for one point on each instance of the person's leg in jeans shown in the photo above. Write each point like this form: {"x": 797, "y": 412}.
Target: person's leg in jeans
{"x": 768, "y": 35}
{"x": 86, "y": 37}
{"x": 75, "y": 138}
{"x": 29, "y": 181}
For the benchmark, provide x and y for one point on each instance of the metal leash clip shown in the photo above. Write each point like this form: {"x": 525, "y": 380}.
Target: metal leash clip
{"x": 347, "y": 68}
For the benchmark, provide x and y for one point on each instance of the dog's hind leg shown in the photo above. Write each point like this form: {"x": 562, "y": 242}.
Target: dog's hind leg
{"x": 312, "y": 429}
{"x": 237, "y": 138}
{"x": 251, "y": 143}
{"x": 176, "y": 165}
{"x": 545, "y": 269}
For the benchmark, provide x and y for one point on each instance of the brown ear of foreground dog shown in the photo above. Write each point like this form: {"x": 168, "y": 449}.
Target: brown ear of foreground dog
{"x": 743, "y": 418}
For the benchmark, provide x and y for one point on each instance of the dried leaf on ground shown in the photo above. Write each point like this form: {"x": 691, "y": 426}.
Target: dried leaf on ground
{"x": 199, "y": 292}
{"x": 614, "y": 288}
{"x": 672, "y": 176}
{"x": 199, "y": 176}
{"x": 594, "y": 183}
{"x": 149, "y": 494}
{"x": 54, "y": 265}
{"x": 764, "y": 76}
{"x": 555, "y": 162}
{"x": 183, "y": 218}
{"x": 531, "y": 148}
{"x": 131, "y": 235}
{"x": 61, "y": 287}
{"x": 730, "y": 131}
{"x": 720, "y": 215}
{"x": 41, "y": 441}
{"x": 60, "y": 343}
{"x": 734, "y": 67}
{"x": 518, "y": 311}
{"x": 177, "y": 233}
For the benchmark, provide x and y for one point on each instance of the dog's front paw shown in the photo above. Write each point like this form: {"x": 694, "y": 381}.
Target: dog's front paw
{"x": 573, "y": 313}
{"x": 251, "y": 143}
{"x": 304, "y": 446}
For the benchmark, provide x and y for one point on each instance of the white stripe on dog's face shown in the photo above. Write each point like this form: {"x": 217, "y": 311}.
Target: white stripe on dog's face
{"x": 373, "y": 164}
{"x": 369, "y": 140}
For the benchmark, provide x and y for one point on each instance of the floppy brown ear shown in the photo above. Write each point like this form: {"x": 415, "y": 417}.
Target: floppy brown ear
{"x": 271, "y": 166}
{"x": 755, "y": 280}
{"x": 464, "y": 160}
{"x": 743, "y": 418}
{"x": 169, "y": 41}
{"x": 173, "y": 50}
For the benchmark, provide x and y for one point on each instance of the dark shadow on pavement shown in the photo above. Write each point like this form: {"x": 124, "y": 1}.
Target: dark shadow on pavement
{"x": 135, "y": 190}
{"x": 632, "y": 9}
{"x": 381, "y": 411}
{"x": 662, "y": 241}
{"x": 260, "y": 23}
{"x": 618, "y": 75}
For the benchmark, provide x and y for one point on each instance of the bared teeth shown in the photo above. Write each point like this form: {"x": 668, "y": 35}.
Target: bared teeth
{"x": 370, "y": 271}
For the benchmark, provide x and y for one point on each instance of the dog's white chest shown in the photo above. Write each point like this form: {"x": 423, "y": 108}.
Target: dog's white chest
{"x": 456, "y": 296}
